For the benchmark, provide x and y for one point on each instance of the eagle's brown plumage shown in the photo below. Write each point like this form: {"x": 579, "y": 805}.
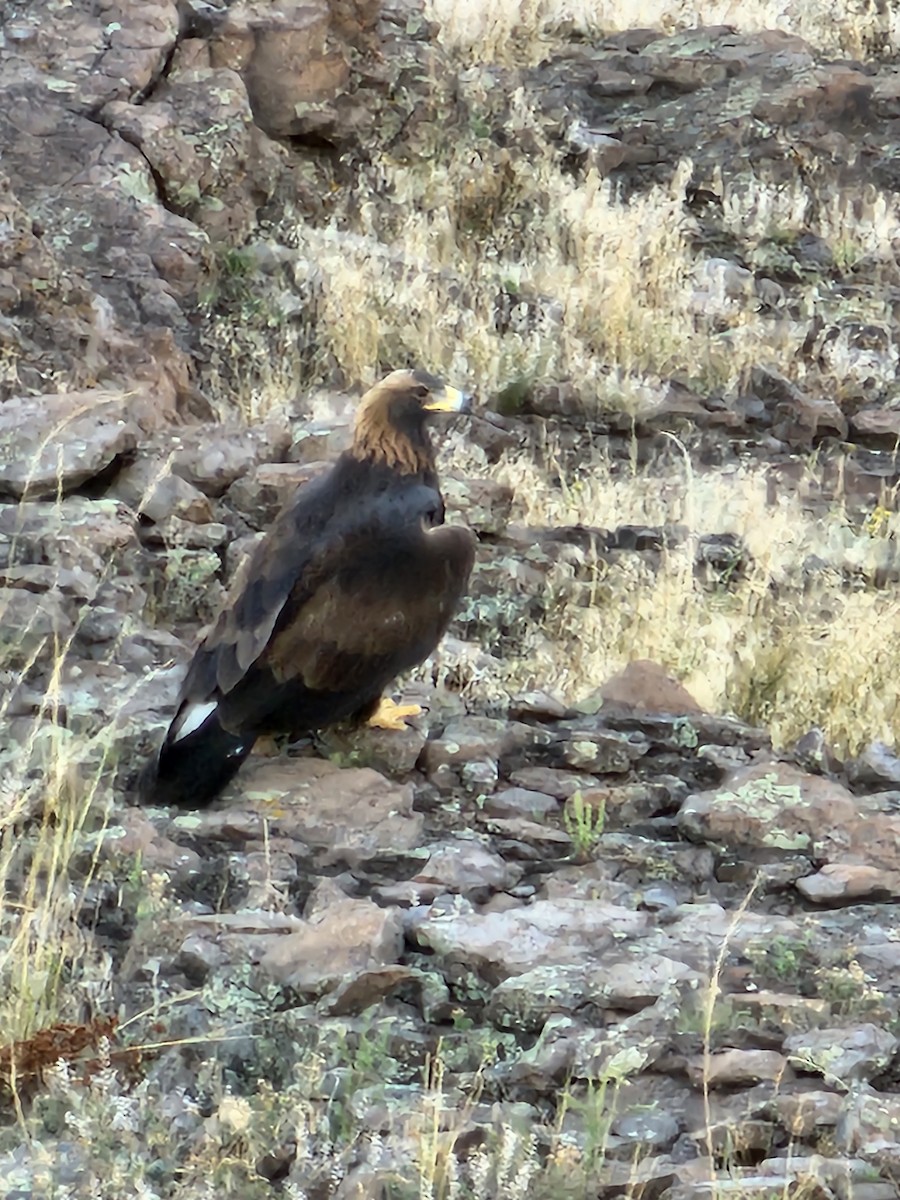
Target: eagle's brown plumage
{"x": 354, "y": 583}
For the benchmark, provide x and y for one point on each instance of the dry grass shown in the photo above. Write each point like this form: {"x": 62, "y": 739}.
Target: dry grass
{"x": 508, "y": 270}
{"x": 598, "y": 289}
{"x": 769, "y": 647}
{"x": 522, "y": 30}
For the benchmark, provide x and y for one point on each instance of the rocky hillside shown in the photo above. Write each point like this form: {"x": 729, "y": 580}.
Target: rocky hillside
{"x": 615, "y": 916}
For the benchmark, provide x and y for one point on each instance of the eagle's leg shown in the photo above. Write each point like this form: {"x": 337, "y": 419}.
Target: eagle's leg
{"x": 389, "y": 715}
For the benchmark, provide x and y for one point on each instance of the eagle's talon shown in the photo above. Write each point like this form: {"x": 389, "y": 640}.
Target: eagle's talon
{"x": 389, "y": 715}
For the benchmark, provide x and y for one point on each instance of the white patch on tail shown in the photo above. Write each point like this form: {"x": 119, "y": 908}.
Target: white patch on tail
{"x": 194, "y": 716}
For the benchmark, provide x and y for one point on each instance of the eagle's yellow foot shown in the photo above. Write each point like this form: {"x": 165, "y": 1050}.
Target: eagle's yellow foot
{"x": 389, "y": 715}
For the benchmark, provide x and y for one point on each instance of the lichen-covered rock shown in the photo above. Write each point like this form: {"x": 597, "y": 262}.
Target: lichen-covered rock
{"x": 629, "y": 984}
{"x": 233, "y": 209}
{"x": 498, "y": 945}
{"x": 469, "y": 738}
{"x": 80, "y": 543}
{"x": 349, "y": 815}
{"x": 776, "y": 806}
{"x": 213, "y": 456}
{"x": 50, "y": 445}
{"x": 845, "y": 1054}
{"x": 216, "y": 165}
{"x": 32, "y": 627}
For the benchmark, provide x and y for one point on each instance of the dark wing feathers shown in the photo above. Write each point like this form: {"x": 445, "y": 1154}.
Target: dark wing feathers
{"x": 376, "y": 618}
{"x": 245, "y": 625}
{"x": 350, "y": 587}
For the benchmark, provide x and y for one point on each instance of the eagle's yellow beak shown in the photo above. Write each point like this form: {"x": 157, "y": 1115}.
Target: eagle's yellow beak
{"x": 449, "y": 399}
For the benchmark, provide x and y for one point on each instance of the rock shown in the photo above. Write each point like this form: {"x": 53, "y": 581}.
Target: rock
{"x": 36, "y": 578}
{"x": 467, "y": 740}
{"x": 81, "y": 294}
{"x": 261, "y": 493}
{"x": 320, "y": 441}
{"x": 88, "y": 535}
{"x": 517, "y": 801}
{"x": 136, "y": 838}
{"x": 842, "y": 1054}
{"x": 777, "y": 806}
{"x": 181, "y": 534}
{"x": 502, "y": 944}
{"x": 33, "y": 627}
{"x": 308, "y": 801}
{"x": 292, "y": 78}
{"x": 798, "y": 418}
{"x": 207, "y": 941}
{"x": 862, "y": 353}
{"x": 529, "y": 840}
{"x": 212, "y": 457}
{"x": 461, "y": 867}
{"x": 645, "y": 686}
{"x": 656, "y": 1130}
{"x": 877, "y": 767}
{"x": 568, "y": 1047}
{"x": 538, "y": 705}
{"x": 801, "y": 1115}
{"x": 469, "y": 869}
{"x": 527, "y": 1000}
{"x": 739, "y": 1067}
{"x": 50, "y": 445}
{"x": 624, "y": 804}
{"x": 484, "y": 504}
{"x": 812, "y": 752}
{"x": 156, "y": 495}
{"x": 598, "y": 751}
{"x": 875, "y": 423}
{"x": 559, "y": 784}
{"x": 849, "y": 882}
{"x": 869, "y": 1114}
{"x": 341, "y": 938}
{"x": 198, "y": 137}
{"x": 393, "y": 752}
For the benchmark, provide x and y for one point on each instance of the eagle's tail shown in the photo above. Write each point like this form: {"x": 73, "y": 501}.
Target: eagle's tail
{"x": 191, "y": 768}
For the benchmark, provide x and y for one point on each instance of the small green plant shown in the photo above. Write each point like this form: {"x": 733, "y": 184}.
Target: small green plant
{"x": 584, "y": 823}
{"x": 785, "y": 960}
{"x": 187, "y": 589}
{"x": 685, "y": 733}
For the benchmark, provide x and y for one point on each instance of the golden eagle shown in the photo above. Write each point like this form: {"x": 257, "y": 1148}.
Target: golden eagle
{"x": 354, "y": 583}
